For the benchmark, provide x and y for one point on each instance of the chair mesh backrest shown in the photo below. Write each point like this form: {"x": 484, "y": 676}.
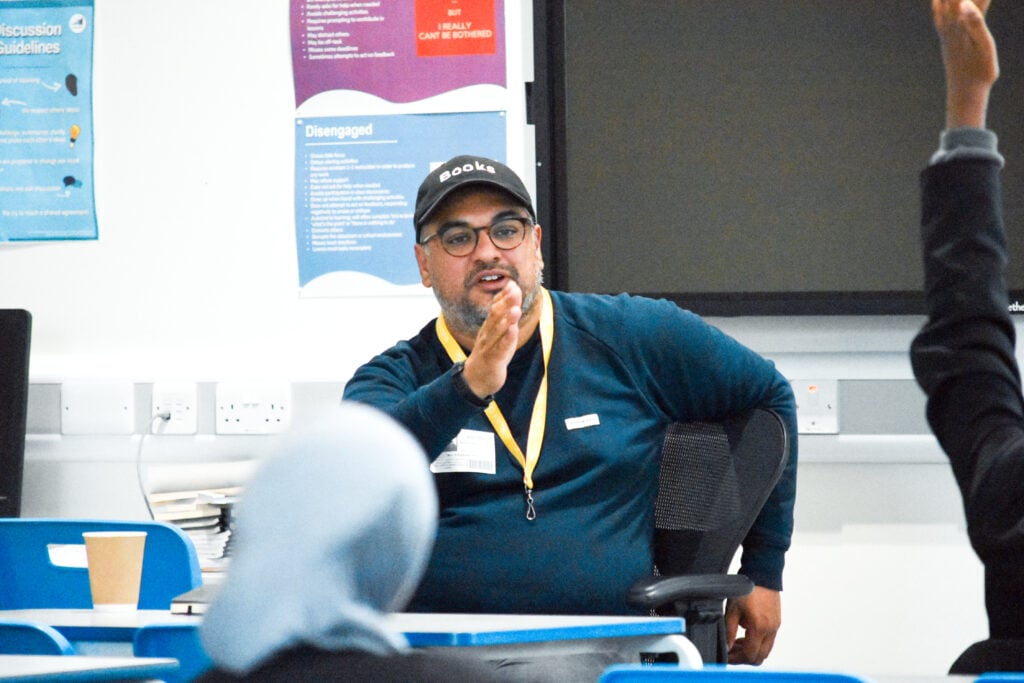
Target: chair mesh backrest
{"x": 697, "y": 487}
{"x": 714, "y": 479}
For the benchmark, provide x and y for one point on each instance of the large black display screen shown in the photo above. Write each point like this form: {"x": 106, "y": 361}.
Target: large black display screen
{"x": 752, "y": 156}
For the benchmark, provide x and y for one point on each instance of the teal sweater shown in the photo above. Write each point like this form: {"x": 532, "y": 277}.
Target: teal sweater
{"x": 636, "y": 364}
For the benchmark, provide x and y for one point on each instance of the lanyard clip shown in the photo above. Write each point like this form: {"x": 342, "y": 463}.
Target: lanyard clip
{"x": 531, "y": 512}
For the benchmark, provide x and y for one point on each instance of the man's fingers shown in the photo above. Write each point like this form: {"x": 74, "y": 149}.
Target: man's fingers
{"x": 752, "y": 648}
{"x": 504, "y": 313}
{"x": 765, "y": 647}
{"x": 496, "y": 342}
{"x": 738, "y": 653}
{"x": 732, "y": 623}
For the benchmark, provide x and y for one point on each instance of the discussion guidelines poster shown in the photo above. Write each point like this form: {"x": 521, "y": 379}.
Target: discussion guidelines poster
{"x": 46, "y": 131}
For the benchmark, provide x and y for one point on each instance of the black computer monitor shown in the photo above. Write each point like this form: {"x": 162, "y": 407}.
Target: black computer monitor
{"x": 15, "y": 338}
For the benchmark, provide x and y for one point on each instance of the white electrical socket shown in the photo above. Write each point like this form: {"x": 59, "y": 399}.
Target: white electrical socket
{"x": 97, "y": 408}
{"x": 817, "y": 405}
{"x": 253, "y": 407}
{"x": 178, "y": 401}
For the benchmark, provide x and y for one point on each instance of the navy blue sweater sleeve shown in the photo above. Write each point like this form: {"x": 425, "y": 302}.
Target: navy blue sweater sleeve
{"x": 417, "y": 388}
{"x": 765, "y": 546}
{"x": 749, "y": 381}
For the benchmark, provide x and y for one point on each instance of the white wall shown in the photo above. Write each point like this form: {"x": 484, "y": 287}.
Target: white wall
{"x": 194, "y": 276}
{"x": 194, "y": 273}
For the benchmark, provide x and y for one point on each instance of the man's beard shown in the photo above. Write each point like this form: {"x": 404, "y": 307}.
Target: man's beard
{"x": 467, "y": 316}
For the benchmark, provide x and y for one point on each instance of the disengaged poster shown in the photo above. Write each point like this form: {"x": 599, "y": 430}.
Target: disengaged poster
{"x": 356, "y": 192}
{"x": 46, "y": 136}
{"x": 384, "y": 91}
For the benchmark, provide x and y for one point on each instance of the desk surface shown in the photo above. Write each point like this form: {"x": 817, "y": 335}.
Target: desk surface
{"x": 497, "y": 635}
{"x": 422, "y": 630}
{"x": 87, "y": 624}
{"x": 38, "y": 668}
{"x": 446, "y": 630}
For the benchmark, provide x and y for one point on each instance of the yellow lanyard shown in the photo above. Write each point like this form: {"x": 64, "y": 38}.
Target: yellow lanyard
{"x": 540, "y": 404}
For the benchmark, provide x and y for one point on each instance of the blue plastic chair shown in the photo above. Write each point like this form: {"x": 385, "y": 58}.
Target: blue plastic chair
{"x": 180, "y": 641}
{"x": 664, "y": 673}
{"x": 30, "y": 580}
{"x": 27, "y": 638}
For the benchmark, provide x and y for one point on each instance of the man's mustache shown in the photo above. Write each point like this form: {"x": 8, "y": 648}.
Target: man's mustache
{"x": 510, "y": 272}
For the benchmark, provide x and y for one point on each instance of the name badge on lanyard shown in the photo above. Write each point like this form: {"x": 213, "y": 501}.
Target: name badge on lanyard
{"x": 471, "y": 451}
{"x": 535, "y": 437}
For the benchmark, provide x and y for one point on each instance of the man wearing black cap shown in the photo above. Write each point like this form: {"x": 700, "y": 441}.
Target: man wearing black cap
{"x": 509, "y": 366}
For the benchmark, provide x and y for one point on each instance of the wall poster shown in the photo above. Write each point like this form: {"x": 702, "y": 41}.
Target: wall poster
{"x": 357, "y": 189}
{"x": 385, "y": 91}
{"x": 46, "y": 133}
{"x": 400, "y": 50}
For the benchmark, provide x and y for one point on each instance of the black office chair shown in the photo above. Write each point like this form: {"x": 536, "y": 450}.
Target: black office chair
{"x": 715, "y": 477}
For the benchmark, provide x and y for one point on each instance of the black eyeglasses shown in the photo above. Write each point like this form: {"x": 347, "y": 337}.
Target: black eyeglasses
{"x": 461, "y": 240}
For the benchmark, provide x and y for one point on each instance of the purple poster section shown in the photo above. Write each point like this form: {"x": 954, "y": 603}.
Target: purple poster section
{"x": 385, "y": 49}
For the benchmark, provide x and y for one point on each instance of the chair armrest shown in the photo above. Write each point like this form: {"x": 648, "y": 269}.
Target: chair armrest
{"x": 655, "y": 591}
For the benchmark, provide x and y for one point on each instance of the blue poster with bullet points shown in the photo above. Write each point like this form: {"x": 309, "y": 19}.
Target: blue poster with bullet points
{"x": 356, "y": 179}
{"x": 46, "y": 132}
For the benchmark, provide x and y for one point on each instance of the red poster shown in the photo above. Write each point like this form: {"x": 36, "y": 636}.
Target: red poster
{"x": 446, "y": 28}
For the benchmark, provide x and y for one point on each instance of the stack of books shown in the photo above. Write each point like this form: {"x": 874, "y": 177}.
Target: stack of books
{"x": 205, "y": 515}
{"x": 200, "y": 497}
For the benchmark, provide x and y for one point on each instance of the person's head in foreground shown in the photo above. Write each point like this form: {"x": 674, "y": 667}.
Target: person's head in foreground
{"x": 333, "y": 532}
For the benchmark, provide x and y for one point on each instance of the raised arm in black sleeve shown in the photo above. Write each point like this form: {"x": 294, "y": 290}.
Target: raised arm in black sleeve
{"x": 964, "y": 360}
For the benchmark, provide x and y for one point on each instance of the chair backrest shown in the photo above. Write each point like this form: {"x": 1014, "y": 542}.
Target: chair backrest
{"x": 29, "y": 579}
{"x": 715, "y": 477}
{"x": 180, "y": 641}
{"x": 28, "y": 638}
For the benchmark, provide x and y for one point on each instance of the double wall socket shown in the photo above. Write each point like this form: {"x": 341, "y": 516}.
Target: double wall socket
{"x": 253, "y": 407}
{"x": 176, "y": 401}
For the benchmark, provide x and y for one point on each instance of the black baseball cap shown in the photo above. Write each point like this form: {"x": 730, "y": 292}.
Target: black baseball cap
{"x": 461, "y": 171}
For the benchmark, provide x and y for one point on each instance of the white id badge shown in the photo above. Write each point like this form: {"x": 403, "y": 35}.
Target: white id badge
{"x": 471, "y": 451}
{"x": 582, "y": 422}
